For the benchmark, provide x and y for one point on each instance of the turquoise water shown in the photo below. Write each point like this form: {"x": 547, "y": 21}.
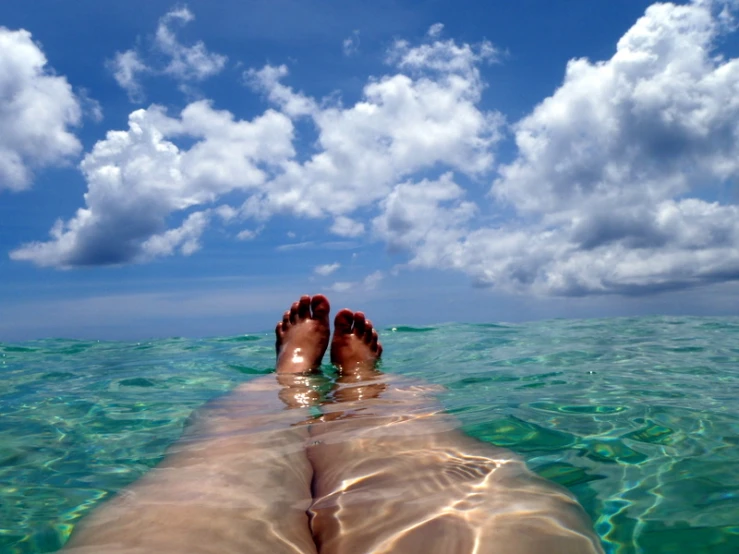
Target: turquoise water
{"x": 639, "y": 417}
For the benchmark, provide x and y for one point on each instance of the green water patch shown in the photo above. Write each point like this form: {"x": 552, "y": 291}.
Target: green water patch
{"x": 241, "y": 338}
{"x": 18, "y": 349}
{"x": 566, "y": 474}
{"x": 143, "y": 347}
{"x": 568, "y": 358}
{"x": 668, "y": 394}
{"x": 461, "y": 384}
{"x": 75, "y": 349}
{"x": 612, "y": 451}
{"x": 408, "y": 329}
{"x": 525, "y": 360}
{"x": 137, "y": 382}
{"x": 685, "y": 349}
{"x": 652, "y": 433}
{"x": 520, "y": 435}
{"x": 58, "y": 376}
{"x": 585, "y": 409}
{"x": 249, "y": 370}
{"x": 659, "y": 538}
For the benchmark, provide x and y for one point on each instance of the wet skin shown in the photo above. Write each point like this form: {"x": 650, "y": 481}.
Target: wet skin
{"x": 381, "y": 470}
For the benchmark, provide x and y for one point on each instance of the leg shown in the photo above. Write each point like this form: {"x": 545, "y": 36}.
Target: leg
{"x": 393, "y": 474}
{"x": 239, "y": 480}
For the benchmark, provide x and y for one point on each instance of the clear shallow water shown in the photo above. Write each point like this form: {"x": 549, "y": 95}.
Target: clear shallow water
{"x": 638, "y": 417}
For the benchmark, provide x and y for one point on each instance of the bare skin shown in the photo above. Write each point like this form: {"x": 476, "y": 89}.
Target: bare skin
{"x": 383, "y": 470}
{"x": 302, "y": 335}
{"x": 394, "y": 474}
{"x": 239, "y": 480}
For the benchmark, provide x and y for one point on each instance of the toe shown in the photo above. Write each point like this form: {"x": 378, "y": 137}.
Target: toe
{"x": 285, "y": 321}
{"x": 359, "y": 324}
{"x": 294, "y": 312}
{"x": 321, "y": 307}
{"x": 304, "y": 307}
{"x": 343, "y": 322}
{"x": 374, "y": 344}
{"x": 278, "y": 336}
{"x": 368, "y": 330}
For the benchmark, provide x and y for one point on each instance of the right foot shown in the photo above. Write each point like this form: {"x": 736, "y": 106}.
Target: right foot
{"x": 355, "y": 344}
{"x": 302, "y": 335}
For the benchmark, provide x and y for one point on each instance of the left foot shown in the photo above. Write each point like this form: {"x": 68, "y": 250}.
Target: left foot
{"x": 302, "y": 335}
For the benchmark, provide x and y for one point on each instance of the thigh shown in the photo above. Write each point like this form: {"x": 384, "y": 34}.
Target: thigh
{"x": 393, "y": 474}
{"x": 239, "y": 481}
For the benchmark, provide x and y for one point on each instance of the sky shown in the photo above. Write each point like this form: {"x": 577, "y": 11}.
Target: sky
{"x": 189, "y": 169}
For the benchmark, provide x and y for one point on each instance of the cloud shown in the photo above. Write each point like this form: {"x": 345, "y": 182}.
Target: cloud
{"x": 435, "y": 30}
{"x": 326, "y": 269}
{"x": 267, "y": 80}
{"x": 423, "y": 116}
{"x": 140, "y": 182}
{"x": 183, "y": 63}
{"x": 296, "y": 246}
{"x": 423, "y": 216}
{"x": 610, "y": 168}
{"x": 248, "y": 234}
{"x": 138, "y": 178}
{"x": 186, "y": 62}
{"x": 326, "y": 245}
{"x": 91, "y": 108}
{"x": 37, "y": 109}
{"x": 607, "y": 191}
{"x": 368, "y": 283}
{"x": 126, "y": 67}
{"x": 646, "y": 124}
{"x": 350, "y": 46}
{"x": 347, "y": 227}
{"x": 443, "y": 56}
{"x": 185, "y": 238}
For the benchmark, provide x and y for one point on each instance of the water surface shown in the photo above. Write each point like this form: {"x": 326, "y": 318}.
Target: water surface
{"x": 638, "y": 417}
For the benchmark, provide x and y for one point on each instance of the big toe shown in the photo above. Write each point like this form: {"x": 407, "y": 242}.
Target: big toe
{"x": 343, "y": 322}
{"x": 320, "y": 307}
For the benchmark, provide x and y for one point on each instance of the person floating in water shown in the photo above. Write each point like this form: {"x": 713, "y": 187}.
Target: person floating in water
{"x": 381, "y": 469}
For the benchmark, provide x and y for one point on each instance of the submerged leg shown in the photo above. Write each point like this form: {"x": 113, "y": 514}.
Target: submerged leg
{"x": 239, "y": 480}
{"x": 394, "y": 474}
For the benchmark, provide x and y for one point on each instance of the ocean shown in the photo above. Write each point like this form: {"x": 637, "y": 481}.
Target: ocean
{"x": 638, "y": 417}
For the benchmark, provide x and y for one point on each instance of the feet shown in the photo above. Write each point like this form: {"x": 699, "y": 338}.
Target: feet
{"x": 355, "y": 345}
{"x": 302, "y": 335}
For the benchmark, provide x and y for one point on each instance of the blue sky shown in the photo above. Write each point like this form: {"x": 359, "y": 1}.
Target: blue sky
{"x": 188, "y": 169}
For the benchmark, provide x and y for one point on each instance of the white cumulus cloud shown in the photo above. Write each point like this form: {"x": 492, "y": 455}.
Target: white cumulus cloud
{"x": 609, "y": 189}
{"x": 326, "y": 269}
{"x": 424, "y": 217}
{"x": 137, "y": 179}
{"x": 181, "y": 62}
{"x": 126, "y": 67}
{"x": 347, "y": 227}
{"x": 435, "y": 30}
{"x": 368, "y": 283}
{"x": 194, "y": 62}
{"x": 611, "y": 167}
{"x": 423, "y": 116}
{"x": 37, "y": 109}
